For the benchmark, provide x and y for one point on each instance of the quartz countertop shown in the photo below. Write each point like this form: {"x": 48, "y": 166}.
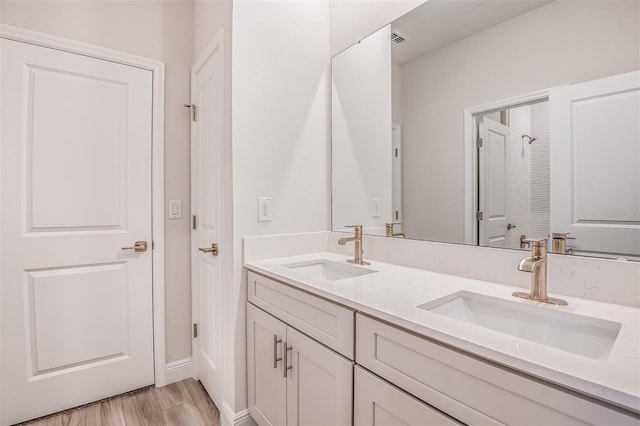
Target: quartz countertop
{"x": 394, "y": 294}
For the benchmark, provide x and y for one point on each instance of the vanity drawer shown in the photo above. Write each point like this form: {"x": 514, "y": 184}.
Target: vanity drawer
{"x": 467, "y": 388}
{"x": 328, "y": 323}
{"x": 378, "y": 403}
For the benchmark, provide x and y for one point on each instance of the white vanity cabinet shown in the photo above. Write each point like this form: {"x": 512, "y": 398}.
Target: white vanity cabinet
{"x": 401, "y": 376}
{"x": 293, "y": 379}
{"x": 470, "y": 389}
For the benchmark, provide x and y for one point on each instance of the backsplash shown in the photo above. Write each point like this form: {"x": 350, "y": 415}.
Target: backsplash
{"x": 604, "y": 280}
{"x": 272, "y": 246}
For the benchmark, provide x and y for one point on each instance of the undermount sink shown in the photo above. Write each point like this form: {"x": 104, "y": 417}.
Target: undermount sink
{"x": 582, "y": 335}
{"x": 328, "y": 270}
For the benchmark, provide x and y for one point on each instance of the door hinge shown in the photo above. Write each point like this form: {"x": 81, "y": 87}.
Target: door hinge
{"x": 193, "y": 110}
{"x": 479, "y": 142}
{"x": 195, "y": 330}
{"x": 396, "y": 152}
{"x": 479, "y": 215}
{"x": 153, "y": 244}
{"x": 193, "y": 221}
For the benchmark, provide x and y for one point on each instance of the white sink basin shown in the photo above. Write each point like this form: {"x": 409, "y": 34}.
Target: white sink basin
{"x": 590, "y": 337}
{"x": 328, "y": 270}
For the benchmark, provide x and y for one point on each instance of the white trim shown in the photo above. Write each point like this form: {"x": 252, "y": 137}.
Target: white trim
{"x": 230, "y": 418}
{"x": 177, "y": 371}
{"x": 471, "y": 154}
{"x": 157, "y": 68}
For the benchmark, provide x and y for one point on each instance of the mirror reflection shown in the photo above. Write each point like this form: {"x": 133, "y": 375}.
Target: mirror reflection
{"x": 486, "y": 122}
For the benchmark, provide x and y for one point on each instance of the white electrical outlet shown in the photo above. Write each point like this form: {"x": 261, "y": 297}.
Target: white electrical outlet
{"x": 375, "y": 207}
{"x": 175, "y": 209}
{"x": 264, "y": 209}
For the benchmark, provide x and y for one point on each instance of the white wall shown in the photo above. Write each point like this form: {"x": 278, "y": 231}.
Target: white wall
{"x": 158, "y": 30}
{"x": 520, "y": 155}
{"x": 208, "y": 17}
{"x": 396, "y": 93}
{"x": 530, "y": 191}
{"x": 600, "y": 39}
{"x": 540, "y": 208}
{"x": 361, "y": 134}
{"x": 280, "y": 133}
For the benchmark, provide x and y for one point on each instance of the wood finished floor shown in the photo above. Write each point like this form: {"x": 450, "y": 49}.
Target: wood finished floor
{"x": 184, "y": 403}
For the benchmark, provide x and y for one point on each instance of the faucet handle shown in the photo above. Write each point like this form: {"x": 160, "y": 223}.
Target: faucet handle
{"x": 562, "y": 236}
{"x": 533, "y": 241}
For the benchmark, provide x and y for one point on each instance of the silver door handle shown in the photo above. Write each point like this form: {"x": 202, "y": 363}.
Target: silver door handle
{"x": 275, "y": 351}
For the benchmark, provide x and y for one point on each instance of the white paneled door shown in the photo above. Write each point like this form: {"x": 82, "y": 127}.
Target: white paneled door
{"x": 207, "y": 97}
{"x": 494, "y": 158}
{"x": 76, "y": 192}
{"x": 595, "y": 164}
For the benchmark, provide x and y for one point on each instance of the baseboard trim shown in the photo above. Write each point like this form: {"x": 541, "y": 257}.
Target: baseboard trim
{"x": 178, "y": 370}
{"x": 231, "y": 418}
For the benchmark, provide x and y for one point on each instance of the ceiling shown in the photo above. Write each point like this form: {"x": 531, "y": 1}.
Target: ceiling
{"x": 438, "y": 23}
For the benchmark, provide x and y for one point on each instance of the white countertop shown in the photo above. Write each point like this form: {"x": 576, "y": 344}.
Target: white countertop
{"x": 395, "y": 292}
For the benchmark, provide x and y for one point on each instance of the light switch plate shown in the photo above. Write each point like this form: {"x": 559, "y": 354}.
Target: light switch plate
{"x": 264, "y": 209}
{"x": 375, "y": 207}
{"x": 175, "y": 209}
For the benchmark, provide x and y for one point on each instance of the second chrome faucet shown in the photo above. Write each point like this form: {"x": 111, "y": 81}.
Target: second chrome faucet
{"x": 357, "y": 240}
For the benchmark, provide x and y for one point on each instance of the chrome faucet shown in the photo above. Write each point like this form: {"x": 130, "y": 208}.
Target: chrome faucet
{"x": 536, "y": 265}
{"x": 357, "y": 239}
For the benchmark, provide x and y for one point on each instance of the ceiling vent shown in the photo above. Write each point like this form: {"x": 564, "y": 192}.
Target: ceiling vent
{"x": 397, "y": 38}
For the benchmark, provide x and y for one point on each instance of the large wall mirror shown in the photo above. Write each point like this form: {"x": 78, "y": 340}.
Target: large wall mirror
{"x": 485, "y": 122}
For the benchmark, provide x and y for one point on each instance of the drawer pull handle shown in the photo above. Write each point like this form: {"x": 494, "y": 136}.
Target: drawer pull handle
{"x": 275, "y": 351}
{"x": 286, "y": 357}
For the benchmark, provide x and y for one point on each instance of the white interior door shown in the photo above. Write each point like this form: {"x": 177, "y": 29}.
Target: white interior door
{"x": 207, "y": 176}
{"x": 494, "y": 161}
{"x": 595, "y": 164}
{"x": 75, "y": 188}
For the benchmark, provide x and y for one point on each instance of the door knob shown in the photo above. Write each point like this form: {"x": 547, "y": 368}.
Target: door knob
{"x": 510, "y": 227}
{"x": 139, "y": 246}
{"x": 213, "y": 249}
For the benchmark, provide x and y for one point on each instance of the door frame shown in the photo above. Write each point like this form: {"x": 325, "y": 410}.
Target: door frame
{"x": 157, "y": 164}
{"x": 471, "y": 153}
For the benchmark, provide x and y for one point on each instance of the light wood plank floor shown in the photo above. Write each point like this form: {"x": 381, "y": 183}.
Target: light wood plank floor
{"x": 184, "y": 403}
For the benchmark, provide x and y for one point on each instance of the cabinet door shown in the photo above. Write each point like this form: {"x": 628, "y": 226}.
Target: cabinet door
{"x": 378, "y": 403}
{"x": 319, "y": 383}
{"x": 266, "y": 382}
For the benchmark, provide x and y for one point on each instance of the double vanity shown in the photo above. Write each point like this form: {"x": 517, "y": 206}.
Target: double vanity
{"x": 332, "y": 342}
